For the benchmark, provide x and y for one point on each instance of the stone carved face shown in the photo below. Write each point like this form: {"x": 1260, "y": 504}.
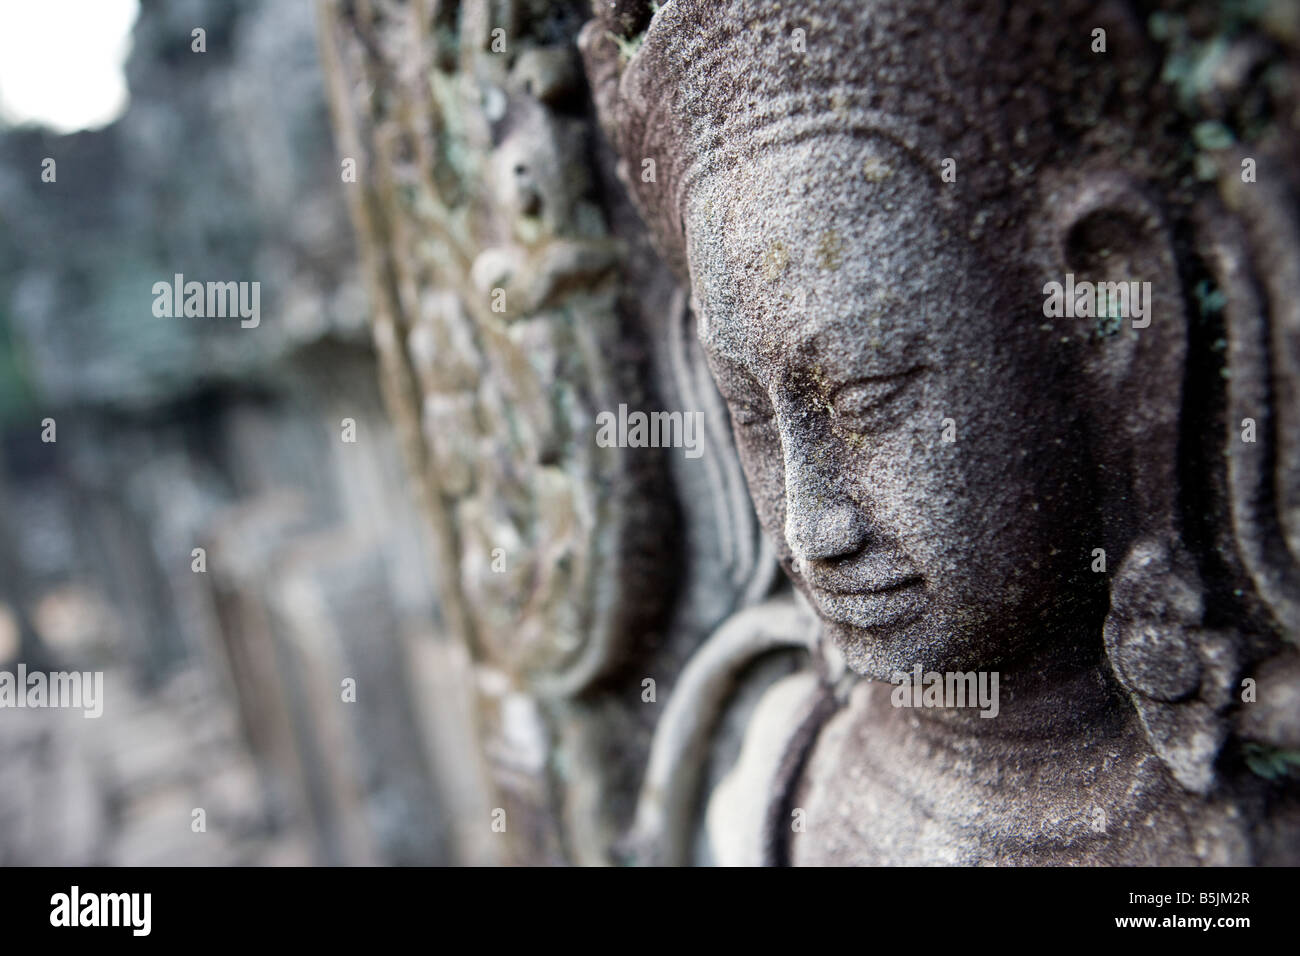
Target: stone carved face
{"x": 851, "y": 328}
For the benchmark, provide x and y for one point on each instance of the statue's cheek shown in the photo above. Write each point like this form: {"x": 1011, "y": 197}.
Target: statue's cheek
{"x": 764, "y": 467}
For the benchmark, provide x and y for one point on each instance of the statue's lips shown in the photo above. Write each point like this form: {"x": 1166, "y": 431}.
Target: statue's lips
{"x": 877, "y": 573}
{"x": 875, "y": 608}
{"x": 865, "y": 600}
{"x": 898, "y": 585}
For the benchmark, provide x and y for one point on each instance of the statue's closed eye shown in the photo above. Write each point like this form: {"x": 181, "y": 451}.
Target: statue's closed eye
{"x": 865, "y": 405}
{"x": 872, "y": 404}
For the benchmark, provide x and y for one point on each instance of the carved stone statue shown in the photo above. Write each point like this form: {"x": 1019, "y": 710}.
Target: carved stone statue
{"x": 870, "y": 202}
{"x": 991, "y": 314}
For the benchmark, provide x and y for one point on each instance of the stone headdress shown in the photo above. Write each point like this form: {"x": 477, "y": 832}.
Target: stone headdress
{"x": 989, "y": 85}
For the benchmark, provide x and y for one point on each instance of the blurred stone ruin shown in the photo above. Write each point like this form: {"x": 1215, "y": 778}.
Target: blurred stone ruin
{"x": 223, "y": 687}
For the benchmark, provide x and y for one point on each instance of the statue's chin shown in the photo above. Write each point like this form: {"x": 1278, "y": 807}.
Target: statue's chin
{"x": 878, "y": 653}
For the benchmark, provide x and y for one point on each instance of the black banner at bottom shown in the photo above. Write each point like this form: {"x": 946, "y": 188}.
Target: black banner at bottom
{"x": 337, "y": 906}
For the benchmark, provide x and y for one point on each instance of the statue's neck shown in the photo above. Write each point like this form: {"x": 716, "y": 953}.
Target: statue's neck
{"x": 1036, "y": 700}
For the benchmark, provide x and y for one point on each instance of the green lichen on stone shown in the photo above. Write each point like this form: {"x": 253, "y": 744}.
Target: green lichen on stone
{"x": 1212, "y": 134}
{"x": 1272, "y": 763}
{"x": 1108, "y": 324}
{"x": 1209, "y": 297}
{"x": 1191, "y": 68}
{"x": 629, "y": 46}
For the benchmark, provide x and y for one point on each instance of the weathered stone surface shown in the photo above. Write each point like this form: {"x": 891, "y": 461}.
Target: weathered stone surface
{"x": 854, "y": 301}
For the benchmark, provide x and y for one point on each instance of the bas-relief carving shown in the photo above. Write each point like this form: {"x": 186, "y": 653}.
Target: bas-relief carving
{"x": 509, "y": 313}
{"x": 498, "y": 332}
{"x": 851, "y": 301}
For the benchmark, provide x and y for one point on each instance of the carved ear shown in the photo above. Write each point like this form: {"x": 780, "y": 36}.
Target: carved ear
{"x": 1109, "y": 233}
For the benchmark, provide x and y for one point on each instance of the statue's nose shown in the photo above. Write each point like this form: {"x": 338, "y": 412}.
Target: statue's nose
{"x": 821, "y": 522}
